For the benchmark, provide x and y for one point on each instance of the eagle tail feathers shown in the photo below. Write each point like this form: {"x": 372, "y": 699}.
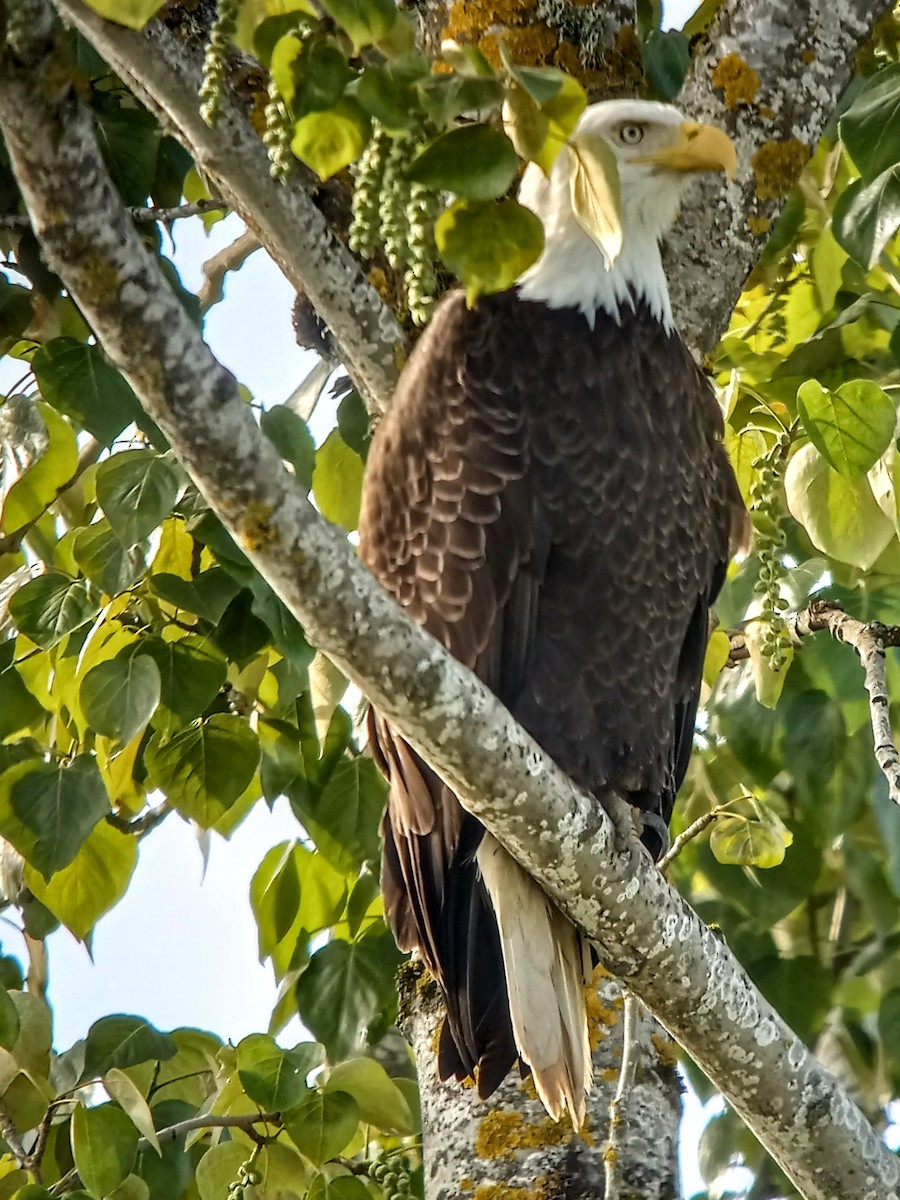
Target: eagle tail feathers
{"x": 545, "y": 973}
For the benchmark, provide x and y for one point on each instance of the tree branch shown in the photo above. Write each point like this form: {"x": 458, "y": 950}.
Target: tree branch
{"x": 645, "y": 931}
{"x": 802, "y": 53}
{"x": 141, "y": 214}
{"x": 166, "y": 76}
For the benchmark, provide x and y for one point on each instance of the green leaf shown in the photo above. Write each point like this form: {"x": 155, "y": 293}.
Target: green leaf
{"x": 124, "y": 1041}
{"x": 205, "y": 768}
{"x": 840, "y": 515}
{"x": 105, "y": 560}
{"x": 15, "y": 312}
{"x": 445, "y": 97}
{"x": 309, "y": 76}
{"x": 343, "y": 817}
{"x": 870, "y": 128}
{"x": 488, "y": 244}
{"x": 209, "y": 595}
{"x": 9, "y": 1021}
{"x": 129, "y": 1097}
{"x": 133, "y": 13}
{"x": 889, "y": 1023}
{"x": 388, "y": 97}
{"x": 136, "y": 490}
{"x": 95, "y": 880}
{"x": 323, "y": 1124}
{"x": 104, "y": 1146}
{"x": 800, "y": 989}
{"x": 47, "y": 608}
{"x": 541, "y": 111}
{"x": 667, "y": 60}
{"x": 218, "y": 1169}
{"x": 329, "y": 141}
{"x": 475, "y": 161}
{"x": 191, "y": 673}
{"x": 747, "y": 843}
{"x": 290, "y": 436}
{"x": 38, "y": 487}
{"x": 118, "y": 697}
{"x": 323, "y": 893}
{"x": 79, "y": 381}
{"x": 366, "y": 21}
{"x": 344, "y": 987}
{"x": 381, "y": 1103}
{"x": 273, "y": 1078}
{"x": 867, "y": 216}
{"x": 18, "y": 707}
{"x": 129, "y": 141}
{"x": 47, "y": 810}
{"x": 337, "y": 481}
{"x": 353, "y": 423}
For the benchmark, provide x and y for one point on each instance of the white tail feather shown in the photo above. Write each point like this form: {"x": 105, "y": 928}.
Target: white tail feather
{"x": 545, "y": 981}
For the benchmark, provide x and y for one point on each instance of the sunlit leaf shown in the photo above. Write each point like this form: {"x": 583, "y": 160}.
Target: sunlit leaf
{"x": 366, "y": 21}
{"x": 104, "y": 1146}
{"x": 323, "y": 1124}
{"x": 123, "y": 1090}
{"x": 867, "y": 216}
{"x": 118, "y": 697}
{"x": 870, "y": 128}
{"x": 205, "y": 768}
{"x": 133, "y": 13}
{"x": 275, "y": 1078}
{"x": 136, "y": 490}
{"x": 329, "y": 141}
{"x": 123, "y": 1041}
{"x": 488, "y": 243}
{"x": 38, "y": 486}
{"x": 381, "y": 1103}
{"x": 337, "y": 481}
{"x": 744, "y": 842}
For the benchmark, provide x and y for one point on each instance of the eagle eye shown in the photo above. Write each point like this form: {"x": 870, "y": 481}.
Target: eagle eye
{"x": 630, "y": 135}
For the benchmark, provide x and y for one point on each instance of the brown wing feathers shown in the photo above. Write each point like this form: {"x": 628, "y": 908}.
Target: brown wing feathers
{"x": 551, "y": 502}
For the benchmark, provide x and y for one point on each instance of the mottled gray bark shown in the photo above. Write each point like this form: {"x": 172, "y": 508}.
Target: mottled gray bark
{"x": 165, "y": 74}
{"x": 801, "y": 53}
{"x": 509, "y": 1141}
{"x": 646, "y": 932}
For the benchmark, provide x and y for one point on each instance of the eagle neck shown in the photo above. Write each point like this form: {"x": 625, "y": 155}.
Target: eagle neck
{"x": 572, "y": 273}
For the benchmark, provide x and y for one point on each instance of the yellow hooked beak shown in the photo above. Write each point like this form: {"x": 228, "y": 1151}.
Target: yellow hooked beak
{"x": 698, "y": 148}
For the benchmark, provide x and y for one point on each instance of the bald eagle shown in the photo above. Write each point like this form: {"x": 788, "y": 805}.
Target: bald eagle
{"x": 548, "y": 495}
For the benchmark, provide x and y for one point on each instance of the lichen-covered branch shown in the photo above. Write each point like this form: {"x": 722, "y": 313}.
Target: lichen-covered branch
{"x": 771, "y": 72}
{"x": 166, "y": 76}
{"x": 869, "y": 641}
{"x": 647, "y": 933}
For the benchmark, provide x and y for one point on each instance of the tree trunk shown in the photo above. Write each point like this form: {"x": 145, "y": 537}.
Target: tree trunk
{"x": 507, "y": 1148}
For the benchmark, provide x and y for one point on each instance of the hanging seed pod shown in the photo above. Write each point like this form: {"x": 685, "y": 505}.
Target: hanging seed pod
{"x": 215, "y": 60}
{"x": 365, "y": 228}
{"x": 421, "y": 280}
{"x": 769, "y": 540}
{"x": 278, "y": 133}
{"x": 393, "y": 199}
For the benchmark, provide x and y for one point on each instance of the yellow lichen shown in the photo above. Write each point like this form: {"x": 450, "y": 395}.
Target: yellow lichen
{"x": 610, "y": 1074}
{"x": 776, "y": 166}
{"x": 666, "y": 1049}
{"x": 808, "y": 56}
{"x": 765, "y": 111}
{"x": 507, "y": 1191}
{"x": 502, "y": 1134}
{"x": 567, "y": 58}
{"x": 466, "y": 1184}
{"x": 758, "y": 226}
{"x": 256, "y": 526}
{"x": 530, "y": 46}
{"x": 469, "y": 18}
{"x": 737, "y": 79}
{"x": 599, "y": 1015}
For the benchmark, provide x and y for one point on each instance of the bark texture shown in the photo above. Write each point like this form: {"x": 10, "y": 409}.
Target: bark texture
{"x": 772, "y": 73}
{"x": 474, "y": 1146}
{"x": 648, "y": 935}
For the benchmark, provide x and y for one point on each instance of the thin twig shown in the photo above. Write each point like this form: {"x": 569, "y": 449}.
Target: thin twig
{"x": 617, "y": 1116}
{"x": 139, "y": 826}
{"x": 15, "y": 222}
{"x": 216, "y": 268}
{"x": 688, "y": 835}
{"x": 869, "y": 642}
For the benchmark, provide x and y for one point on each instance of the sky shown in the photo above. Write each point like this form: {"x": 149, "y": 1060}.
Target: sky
{"x": 180, "y": 948}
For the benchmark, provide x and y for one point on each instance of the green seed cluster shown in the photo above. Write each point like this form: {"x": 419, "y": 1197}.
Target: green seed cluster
{"x": 248, "y": 1176}
{"x": 421, "y": 281}
{"x": 394, "y": 199}
{"x": 393, "y": 1176}
{"x": 769, "y": 539}
{"x": 278, "y": 134}
{"x": 365, "y": 228}
{"x": 215, "y": 60}
{"x": 397, "y": 216}
{"x": 22, "y": 18}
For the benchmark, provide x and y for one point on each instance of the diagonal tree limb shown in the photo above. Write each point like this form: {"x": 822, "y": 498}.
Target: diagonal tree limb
{"x": 166, "y": 76}
{"x": 647, "y": 933}
{"x": 803, "y": 54}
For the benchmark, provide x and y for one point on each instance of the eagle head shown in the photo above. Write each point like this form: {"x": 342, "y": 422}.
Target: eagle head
{"x": 612, "y": 193}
